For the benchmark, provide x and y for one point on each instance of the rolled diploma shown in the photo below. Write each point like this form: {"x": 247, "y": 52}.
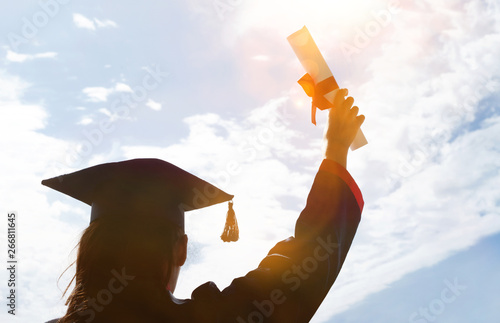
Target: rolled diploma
{"x": 315, "y": 65}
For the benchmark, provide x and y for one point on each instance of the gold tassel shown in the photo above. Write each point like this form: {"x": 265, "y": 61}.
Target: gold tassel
{"x": 231, "y": 231}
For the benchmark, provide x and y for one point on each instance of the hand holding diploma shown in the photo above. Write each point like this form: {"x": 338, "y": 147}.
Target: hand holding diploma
{"x": 343, "y": 125}
{"x": 319, "y": 82}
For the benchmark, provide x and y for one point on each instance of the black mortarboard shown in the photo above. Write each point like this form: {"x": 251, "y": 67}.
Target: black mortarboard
{"x": 142, "y": 188}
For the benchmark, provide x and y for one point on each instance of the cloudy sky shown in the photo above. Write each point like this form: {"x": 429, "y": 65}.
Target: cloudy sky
{"x": 211, "y": 86}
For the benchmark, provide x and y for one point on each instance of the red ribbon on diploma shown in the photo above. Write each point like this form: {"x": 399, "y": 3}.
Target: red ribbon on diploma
{"x": 317, "y": 93}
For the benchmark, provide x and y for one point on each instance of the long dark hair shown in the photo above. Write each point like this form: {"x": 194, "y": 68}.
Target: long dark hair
{"x": 145, "y": 247}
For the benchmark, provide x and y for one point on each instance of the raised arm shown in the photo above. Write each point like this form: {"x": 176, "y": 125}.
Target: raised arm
{"x": 327, "y": 225}
{"x": 292, "y": 280}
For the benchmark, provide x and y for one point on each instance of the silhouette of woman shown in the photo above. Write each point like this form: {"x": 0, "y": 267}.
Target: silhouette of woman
{"x": 130, "y": 255}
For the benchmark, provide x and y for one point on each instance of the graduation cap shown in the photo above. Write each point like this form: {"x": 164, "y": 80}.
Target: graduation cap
{"x": 138, "y": 189}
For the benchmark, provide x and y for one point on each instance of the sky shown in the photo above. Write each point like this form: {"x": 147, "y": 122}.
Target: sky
{"x": 211, "y": 87}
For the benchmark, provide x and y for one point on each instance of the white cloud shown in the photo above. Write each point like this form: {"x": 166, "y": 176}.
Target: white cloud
{"x": 106, "y": 112}
{"x": 19, "y": 58}
{"x": 101, "y": 94}
{"x": 97, "y": 94}
{"x": 122, "y": 87}
{"x": 85, "y": 121}
{"x": 153, "y": 105}
{"x": 28, "y": 157}
{"x": 83, "y": 22}
{"x": 105, "y": 23}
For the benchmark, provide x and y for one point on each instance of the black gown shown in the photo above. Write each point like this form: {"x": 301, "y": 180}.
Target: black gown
{"x": 288, "y": 285}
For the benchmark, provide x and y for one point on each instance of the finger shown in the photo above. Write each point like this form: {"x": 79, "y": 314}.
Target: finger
{"x": 359, "y": 120}
{"x": 342, "y": 92}
{"x": 337, "y": 100}
{"x": 339, "y": 97}
{"x": 348, "y": 104}
{"x": 354, "y": 111}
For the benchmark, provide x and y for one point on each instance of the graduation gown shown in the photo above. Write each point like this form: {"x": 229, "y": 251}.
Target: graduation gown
{"x": 288, "y": 285}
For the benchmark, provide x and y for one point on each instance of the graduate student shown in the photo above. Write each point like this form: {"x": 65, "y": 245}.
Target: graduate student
{"x": 130, "y": 256}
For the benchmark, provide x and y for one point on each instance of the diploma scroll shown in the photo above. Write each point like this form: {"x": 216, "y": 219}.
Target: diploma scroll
{"x": 319, "y": 82}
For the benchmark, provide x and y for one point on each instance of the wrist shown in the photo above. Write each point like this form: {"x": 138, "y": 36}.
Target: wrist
{"x": 337, "y": 153}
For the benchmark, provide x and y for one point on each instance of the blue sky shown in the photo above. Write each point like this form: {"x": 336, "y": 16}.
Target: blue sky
{"x": 476, "y": 269}
{"x": 211, "y": 84}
